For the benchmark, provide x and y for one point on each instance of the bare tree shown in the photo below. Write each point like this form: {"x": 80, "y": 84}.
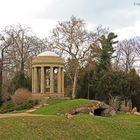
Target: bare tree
{"x": 24, "y": 45}
{"x": 137, "y": 45}
{"x": 18, "y": 46}
{"x": 4, "y": 44}
{"x": 72, "y": 40}
{"x": 126, "y": 55}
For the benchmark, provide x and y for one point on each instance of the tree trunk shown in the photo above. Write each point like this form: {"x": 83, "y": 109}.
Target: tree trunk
{"x": 22, "y": 67}
{"x": 0, "y": 77}
{"x": 74, "y": 84}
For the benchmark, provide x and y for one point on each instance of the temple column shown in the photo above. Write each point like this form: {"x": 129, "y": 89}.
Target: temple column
{"x": 59, "y": 82}
{"x": 42, "y": 80}
{"x": 51, "y": 80}
{"x": 33, "y": 87}
{"x": 62, "y": 80}
{"x": 35, "y": 80}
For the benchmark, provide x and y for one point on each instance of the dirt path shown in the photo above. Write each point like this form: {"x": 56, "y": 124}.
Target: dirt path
{"x": 27, "y": 113}
{"x": 18, "y": 115}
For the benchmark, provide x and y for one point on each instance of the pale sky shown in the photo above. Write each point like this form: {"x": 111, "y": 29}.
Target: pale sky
{"x": 121, "y": 16}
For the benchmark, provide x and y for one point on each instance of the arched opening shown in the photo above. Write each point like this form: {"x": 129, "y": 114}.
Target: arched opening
{"x": 99, "y": 112}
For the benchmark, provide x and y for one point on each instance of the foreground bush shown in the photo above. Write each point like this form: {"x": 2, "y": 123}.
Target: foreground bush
{"x": 22, "y": 99}
{"x": 21, "y": 95}
{"x": 10, "y": 106}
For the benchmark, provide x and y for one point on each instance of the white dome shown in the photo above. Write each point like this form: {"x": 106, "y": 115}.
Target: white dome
{"x": 48, "y": 53}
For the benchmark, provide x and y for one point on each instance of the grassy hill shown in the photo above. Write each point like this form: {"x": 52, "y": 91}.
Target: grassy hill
{"x": 80, "y": 127}
{"x": 59, "y": 106}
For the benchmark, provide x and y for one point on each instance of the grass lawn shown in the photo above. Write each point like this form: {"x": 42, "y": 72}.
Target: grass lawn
{"x": 80, "y": 127}
{"x": 84, "y": 127}
{"x": 58, "y": 106}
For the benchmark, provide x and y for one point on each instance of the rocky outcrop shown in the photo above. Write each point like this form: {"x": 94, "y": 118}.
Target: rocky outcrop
{"x": 135, "y": 112}
{"x": 96, "y": 108}
{"x": 126, "y": 106}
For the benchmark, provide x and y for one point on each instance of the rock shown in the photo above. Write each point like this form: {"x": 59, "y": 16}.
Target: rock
{"x": 90, "y": 113}
{"x": 112, "y": 112}
{"x": 125, "y": 109}
{"x": 136, "y": 113}
{"x": 105, "y": 112}
{"x": 92, "y": 110}
{"x": 80, "y": 110}
{"x": 105, "y": 106}
{"x": 126, "y": 106}
{"x": 68, "y": 115}
{"x": 134, "y": 110}
{"x": 95, "y": 108}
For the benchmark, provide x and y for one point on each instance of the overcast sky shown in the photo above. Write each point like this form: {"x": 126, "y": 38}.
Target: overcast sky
{"x": 121, "y": 16}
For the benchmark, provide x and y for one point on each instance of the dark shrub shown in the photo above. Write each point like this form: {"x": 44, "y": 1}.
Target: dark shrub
{"x": 27, "y": 104}
{"x": 19, "y": 81}
{"x": 7, "y": 107}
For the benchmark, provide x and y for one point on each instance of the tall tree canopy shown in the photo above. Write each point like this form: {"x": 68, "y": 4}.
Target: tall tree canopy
{"x": 106, "y": 44}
